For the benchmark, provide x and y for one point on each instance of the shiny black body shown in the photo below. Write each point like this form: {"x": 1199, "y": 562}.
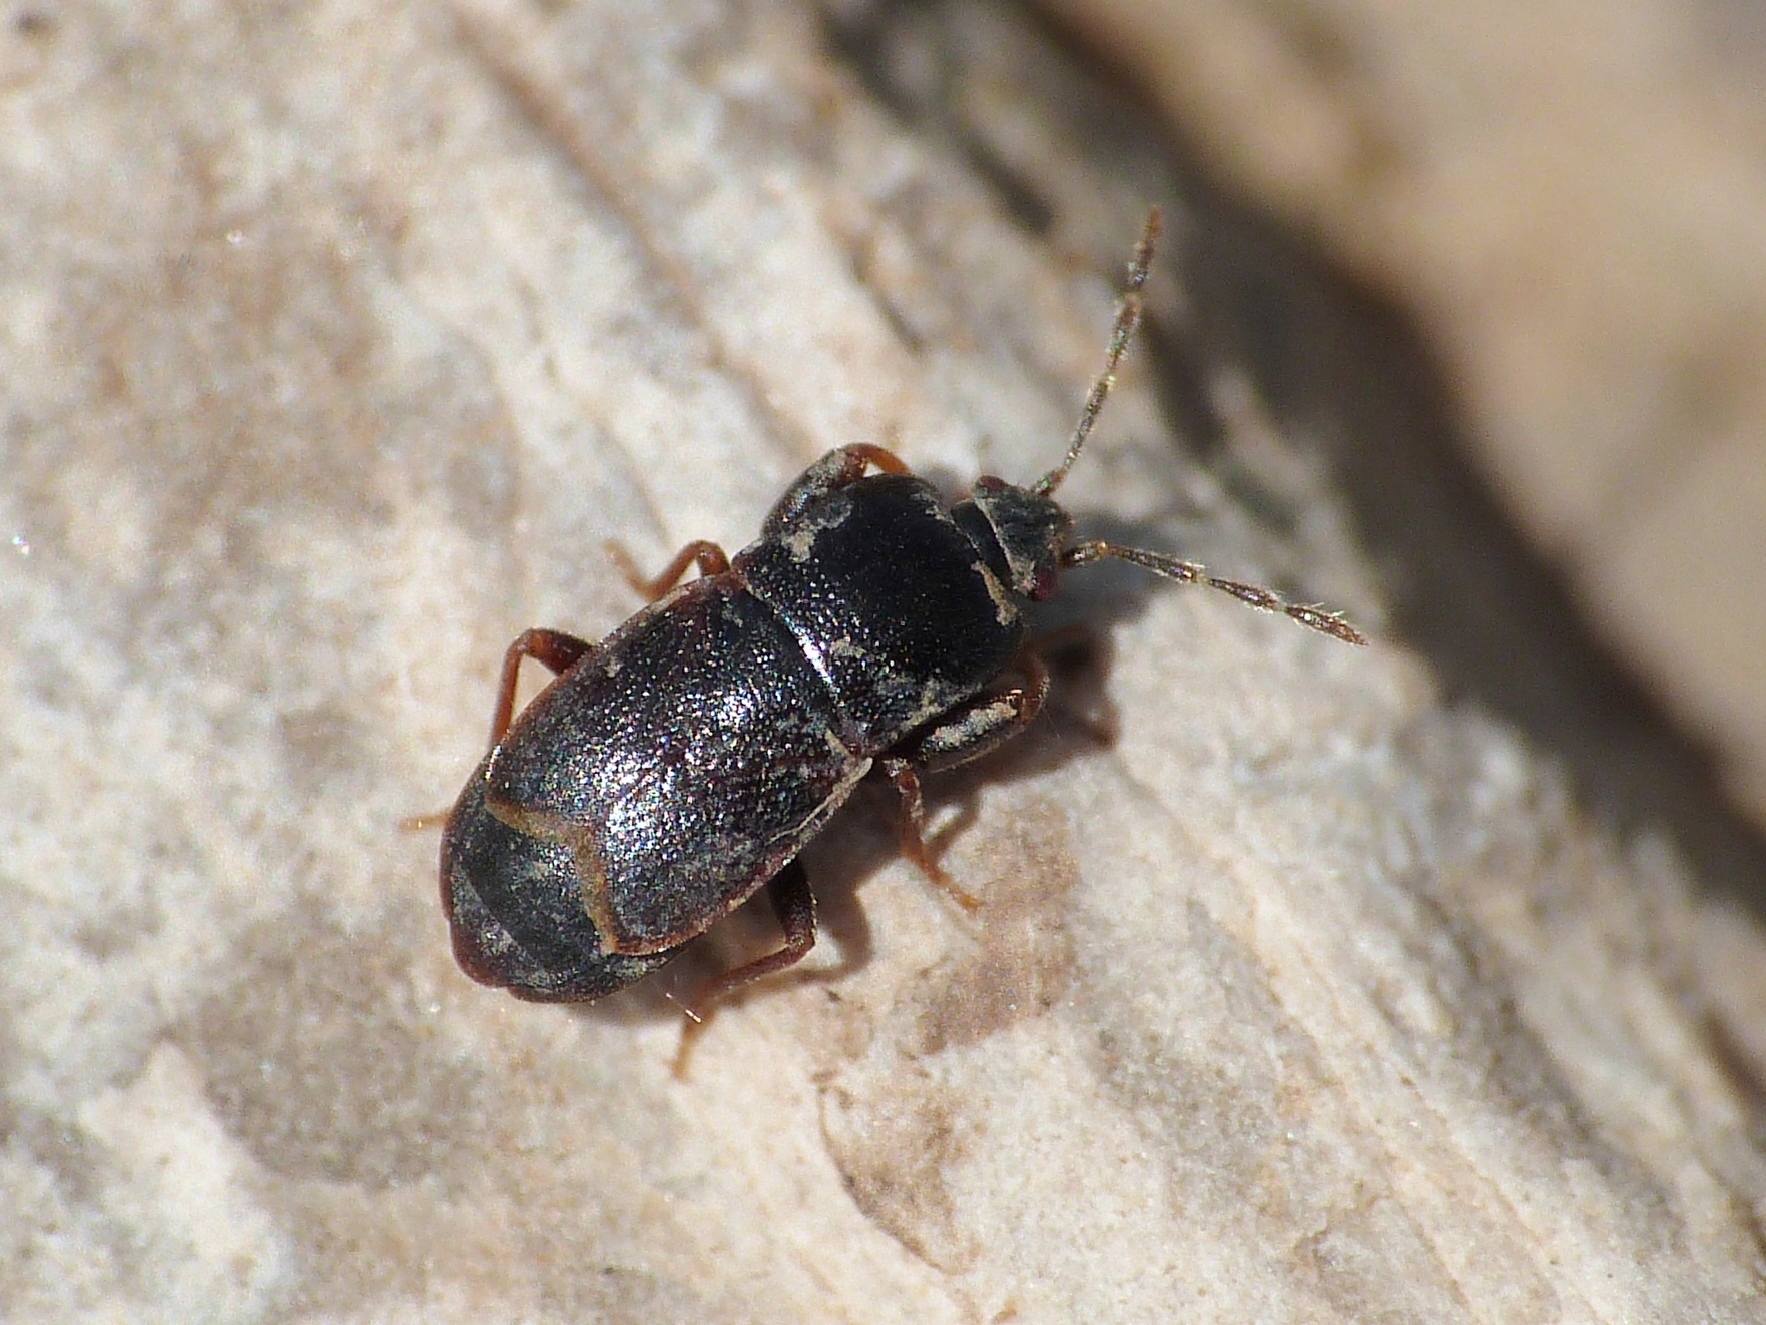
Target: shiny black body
{"x": 677, "y": 766}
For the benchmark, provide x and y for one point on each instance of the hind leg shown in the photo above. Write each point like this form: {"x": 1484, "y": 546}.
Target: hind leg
{"x": 795, "y": 906}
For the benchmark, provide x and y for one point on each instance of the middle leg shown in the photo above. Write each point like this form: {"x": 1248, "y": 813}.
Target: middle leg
{"x": 709, "y": 556}
{"x": 557, "y": 649}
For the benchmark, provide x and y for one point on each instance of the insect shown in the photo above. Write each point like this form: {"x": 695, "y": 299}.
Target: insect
{"x": 675, "y": 768}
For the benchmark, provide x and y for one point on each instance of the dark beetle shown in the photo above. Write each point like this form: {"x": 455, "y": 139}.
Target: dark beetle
{"x": 684, "y": 761}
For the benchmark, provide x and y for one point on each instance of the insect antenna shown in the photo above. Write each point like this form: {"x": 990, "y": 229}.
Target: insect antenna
{"x": 1190, "y": 572}
{"x": 1128, "y": 317}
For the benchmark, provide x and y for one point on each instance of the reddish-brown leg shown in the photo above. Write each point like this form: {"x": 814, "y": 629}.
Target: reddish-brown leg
{"x": 835, "y": 470}
{"x": 422, "y": 823}
{"x": 912, "y": 824}
{"x": 709, "y": 556}
{"x": 969, "y": 732}
{"x": 556, "y": 649}
{"x": 877, "y": 457}
{"x": 795, "y": 905}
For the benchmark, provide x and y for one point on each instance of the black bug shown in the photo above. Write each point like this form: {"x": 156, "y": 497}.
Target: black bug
{"x": 681, "y": 763}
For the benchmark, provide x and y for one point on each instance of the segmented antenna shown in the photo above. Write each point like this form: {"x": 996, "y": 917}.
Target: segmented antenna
{"x": 1128, "y": 317}
{"x": 1190, "y": 572}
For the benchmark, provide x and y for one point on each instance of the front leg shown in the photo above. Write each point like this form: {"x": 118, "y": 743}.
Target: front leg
{"x": 968, "y": 732}
{"x": 835, "y": 470}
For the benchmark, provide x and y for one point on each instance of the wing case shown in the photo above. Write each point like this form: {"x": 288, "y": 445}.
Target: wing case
{"x": 682, "y": 763}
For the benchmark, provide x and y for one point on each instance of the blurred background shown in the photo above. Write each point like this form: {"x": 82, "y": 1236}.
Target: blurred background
{"x": 1555, "y": 215}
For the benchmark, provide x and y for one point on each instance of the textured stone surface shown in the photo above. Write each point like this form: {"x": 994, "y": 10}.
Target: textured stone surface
{"x": 335, "y": 339}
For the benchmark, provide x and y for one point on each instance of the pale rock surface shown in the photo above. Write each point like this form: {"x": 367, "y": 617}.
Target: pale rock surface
{"x": 335, "y": 339}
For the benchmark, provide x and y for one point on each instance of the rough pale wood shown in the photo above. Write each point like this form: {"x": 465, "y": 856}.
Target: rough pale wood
{"x": 335, "y": 339}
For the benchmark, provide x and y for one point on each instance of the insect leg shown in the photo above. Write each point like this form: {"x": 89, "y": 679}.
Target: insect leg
{"x": 833, "y": 471}
{"x": 554, "y": 648}
{"x": 984, "y": 723}
{"x": 970, "y": 731}
{"x": 912, "y": 825}
{"x": 711, "y": 559}
{"x": 795, "y": 905}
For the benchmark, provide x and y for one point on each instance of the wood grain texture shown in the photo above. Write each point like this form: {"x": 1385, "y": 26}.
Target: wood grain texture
{"x": 334, "y": 341}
